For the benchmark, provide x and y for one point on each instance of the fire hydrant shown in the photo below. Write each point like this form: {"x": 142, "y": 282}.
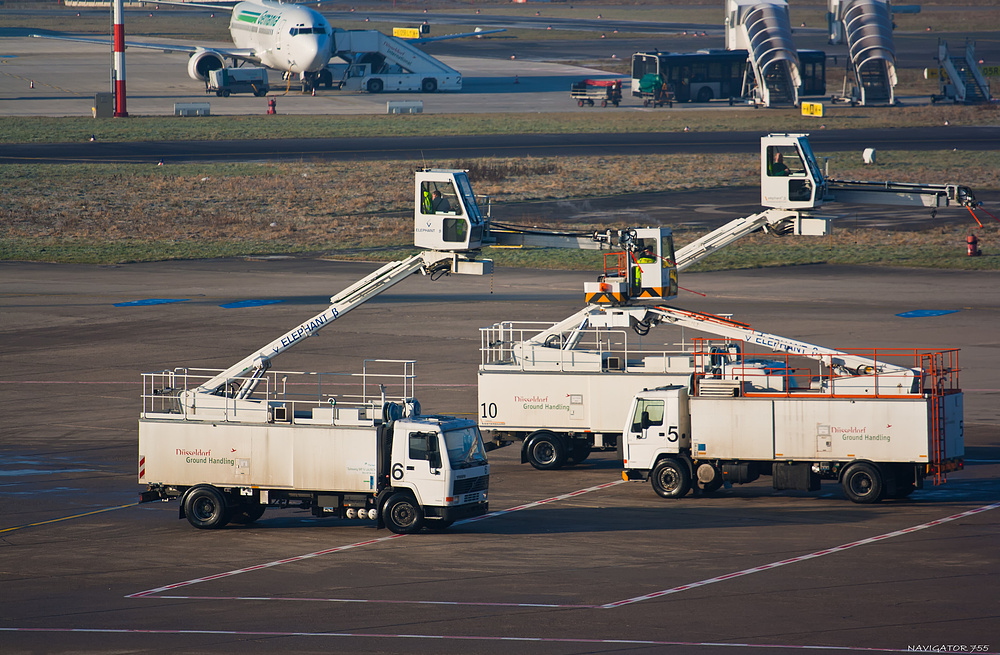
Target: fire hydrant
{"x": 272, "y": 107}
{"x": 972, "y": 246}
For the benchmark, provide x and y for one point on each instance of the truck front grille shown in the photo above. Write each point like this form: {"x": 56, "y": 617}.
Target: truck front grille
{"x": 471, "y": 484}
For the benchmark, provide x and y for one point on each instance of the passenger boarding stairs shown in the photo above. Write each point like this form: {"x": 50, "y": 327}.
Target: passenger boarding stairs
{"x": 764, "y": 30}
{"x": 866, "y": 27}
{"x": 967, "y": 84}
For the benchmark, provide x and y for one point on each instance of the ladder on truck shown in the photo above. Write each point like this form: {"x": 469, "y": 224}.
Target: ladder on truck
{"x": 941, "y": 372}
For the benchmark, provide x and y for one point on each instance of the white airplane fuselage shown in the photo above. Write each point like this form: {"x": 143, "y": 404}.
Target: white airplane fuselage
{"x": 287, "y": 37}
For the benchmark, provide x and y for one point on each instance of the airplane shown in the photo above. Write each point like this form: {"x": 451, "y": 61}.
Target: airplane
{"x": 286, "y": 37}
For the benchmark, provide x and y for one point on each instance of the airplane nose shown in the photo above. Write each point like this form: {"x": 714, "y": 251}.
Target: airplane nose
{"x": 312, "y": 52}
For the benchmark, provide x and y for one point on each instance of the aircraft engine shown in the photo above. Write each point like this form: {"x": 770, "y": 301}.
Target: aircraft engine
{"x": 204, "y": 61}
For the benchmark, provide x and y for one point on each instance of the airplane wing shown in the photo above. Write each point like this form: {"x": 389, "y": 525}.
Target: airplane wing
{"x": 444, "y": 37}
{"x": 229, "y": 53}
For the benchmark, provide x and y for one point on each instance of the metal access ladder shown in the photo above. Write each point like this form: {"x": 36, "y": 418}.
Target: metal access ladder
{"x": 966, "y": 83}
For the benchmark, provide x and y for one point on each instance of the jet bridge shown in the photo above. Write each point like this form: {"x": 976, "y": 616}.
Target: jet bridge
{"x": 763, "y": 29}
{"x": 866, "y": 27}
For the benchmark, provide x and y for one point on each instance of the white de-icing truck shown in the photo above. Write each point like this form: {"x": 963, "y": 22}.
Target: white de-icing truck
{"x": 562, "y": 389}
{"x": 229, "y": 444}
{"x": 878, "y": 421}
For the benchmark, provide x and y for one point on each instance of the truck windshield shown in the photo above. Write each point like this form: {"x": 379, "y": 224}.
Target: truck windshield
{"x": 465, "y": 448}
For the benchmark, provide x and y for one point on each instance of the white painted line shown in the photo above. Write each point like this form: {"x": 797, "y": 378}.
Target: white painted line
{"x": 800, "y": 558}
{"x": 482, "y": 638}
{"x": 328, "y": 551}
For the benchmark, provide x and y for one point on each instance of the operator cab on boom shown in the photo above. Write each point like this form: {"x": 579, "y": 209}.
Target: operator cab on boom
{"x": 646, "y": 268}
{"x": 445, "y": 215}
{"x": 789, "y": 175}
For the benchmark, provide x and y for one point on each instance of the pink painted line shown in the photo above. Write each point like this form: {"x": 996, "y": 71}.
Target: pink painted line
{"x": 800, "y": 558}
{"x": 379, "y": 602}
{"x": 259, "y": 567}
{"x": 482, "y": 638}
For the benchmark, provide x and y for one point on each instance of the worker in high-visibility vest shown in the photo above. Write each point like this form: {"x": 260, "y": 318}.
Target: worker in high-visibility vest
{"x": 647, "y": 256}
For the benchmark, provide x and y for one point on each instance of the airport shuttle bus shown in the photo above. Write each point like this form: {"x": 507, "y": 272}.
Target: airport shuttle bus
{"x": 718, "y": 74}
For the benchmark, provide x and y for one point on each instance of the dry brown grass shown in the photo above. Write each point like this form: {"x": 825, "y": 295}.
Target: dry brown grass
{"x": 316, "y": 206}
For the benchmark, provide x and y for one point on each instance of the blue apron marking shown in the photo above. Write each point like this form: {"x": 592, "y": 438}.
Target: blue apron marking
{"x": 922, "y": 313}
{"x": 150, "y": 301}
{"x": 249, "y": 303}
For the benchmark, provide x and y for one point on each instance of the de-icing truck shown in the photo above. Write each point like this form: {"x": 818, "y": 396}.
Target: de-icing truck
{"x": 562, "y": 388}
{"x": 229, "y": 444}
{"x": 878, "y": 421}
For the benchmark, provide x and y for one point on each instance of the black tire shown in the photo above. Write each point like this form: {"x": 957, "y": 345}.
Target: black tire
{"x": 578, "y": 451}
{"x": 325, "y": 78}
{"x": 429, "y": 85}
{"x": 546, "y": 451}
{"x": 205, "y": 508}
{"x": 219, "y": 93}
{"x": 375, "y": 85}
{"x": 248, "y": 513}
{"x": 705, "y": 94}
{"x": 902, "y": 491}
{"x": 670, "y": 478}
{"x": 863, "y": 483}
{"x": 226, "y": 93}
{"x": 260, "y": 93}
{"x": 402, "y": 515}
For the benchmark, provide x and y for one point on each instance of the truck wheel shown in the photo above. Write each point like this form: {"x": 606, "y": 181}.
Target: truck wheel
{"x": 205, "y": 508}
{"x": 863, "y": 483}
{"x": 429, "y": 85}
{"x": 375, "y": 86}
{"x": 704, "y": 94}
{"x": 248, "y": 513}
{"x": 546, "y": 451}
{"x": 402, "y": 515}
{"x": 670, "y": 479}
{"x": 579, "y": 451}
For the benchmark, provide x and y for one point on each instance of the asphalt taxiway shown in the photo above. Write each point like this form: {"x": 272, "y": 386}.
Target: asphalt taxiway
{"x": 574, "y": 561}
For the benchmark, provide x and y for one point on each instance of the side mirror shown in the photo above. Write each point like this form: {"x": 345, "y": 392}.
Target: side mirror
{"x": 433, "y": 454}
{"x": 645, "y": 420}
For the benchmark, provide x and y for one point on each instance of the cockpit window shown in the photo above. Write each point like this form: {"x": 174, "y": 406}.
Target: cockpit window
{"x": 299, "y": 29}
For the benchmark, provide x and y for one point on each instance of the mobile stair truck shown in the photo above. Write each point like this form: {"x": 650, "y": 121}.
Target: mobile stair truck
{"x": 230, "y": 444}
{"x": 877, "y": 421}
{"x": 562, "y": 388}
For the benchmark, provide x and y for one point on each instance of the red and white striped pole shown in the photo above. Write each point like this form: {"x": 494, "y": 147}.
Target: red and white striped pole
{"x": 119, "y": 63}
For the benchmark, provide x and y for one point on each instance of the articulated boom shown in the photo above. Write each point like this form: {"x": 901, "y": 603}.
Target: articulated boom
{"x": 790, "y": 178}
